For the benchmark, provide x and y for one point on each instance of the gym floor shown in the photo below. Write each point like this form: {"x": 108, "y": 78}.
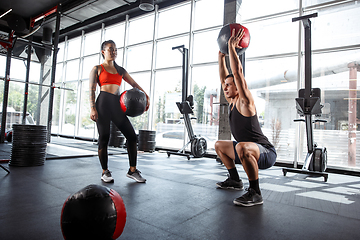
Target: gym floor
{"x": 179, "y": 199}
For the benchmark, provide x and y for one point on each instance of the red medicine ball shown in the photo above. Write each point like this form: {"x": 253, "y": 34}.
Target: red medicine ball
{"x": 225, "y": 34}
{"x": 133, "y": 102}
{"x": 94, "y": 212}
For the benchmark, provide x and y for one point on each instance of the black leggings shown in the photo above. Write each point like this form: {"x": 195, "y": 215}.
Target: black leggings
{"x": 108, "y": 108}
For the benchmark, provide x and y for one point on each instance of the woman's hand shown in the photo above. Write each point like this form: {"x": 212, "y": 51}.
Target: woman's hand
{"x": 93, "y": 114}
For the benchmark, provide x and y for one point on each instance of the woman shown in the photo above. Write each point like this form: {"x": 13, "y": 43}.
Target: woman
{"x": 107, "y": 108}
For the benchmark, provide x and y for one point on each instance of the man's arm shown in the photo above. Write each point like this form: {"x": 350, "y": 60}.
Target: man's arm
{"x": 223, "y": 71}
{"x": 245, "y": 104}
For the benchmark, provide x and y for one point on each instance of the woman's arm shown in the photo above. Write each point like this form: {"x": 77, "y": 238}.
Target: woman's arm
{"x": 93, "y": 79}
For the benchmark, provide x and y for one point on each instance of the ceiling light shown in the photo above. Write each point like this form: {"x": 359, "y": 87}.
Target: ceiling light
{"x": 146, "y": 5}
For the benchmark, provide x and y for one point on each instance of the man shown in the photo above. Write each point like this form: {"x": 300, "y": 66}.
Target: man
{"x": 251, "y": 148}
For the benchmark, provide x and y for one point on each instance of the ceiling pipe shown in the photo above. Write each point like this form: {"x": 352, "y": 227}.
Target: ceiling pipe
{"x": 8, "y": 11}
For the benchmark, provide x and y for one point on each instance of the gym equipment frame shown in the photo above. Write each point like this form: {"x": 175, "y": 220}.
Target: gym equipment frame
{"x": 198, "y": 144}
{"x": 7, "y": 170}
{"x": 308, "y": 104}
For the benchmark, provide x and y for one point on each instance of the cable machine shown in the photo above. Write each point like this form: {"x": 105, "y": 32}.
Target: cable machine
{"x": 307, "y": 105}
{"x": 198, "y": 144}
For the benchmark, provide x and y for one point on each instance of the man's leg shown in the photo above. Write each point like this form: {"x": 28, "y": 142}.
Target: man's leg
{"x": 249, "y": 154}
{"x": 225, "y": 150}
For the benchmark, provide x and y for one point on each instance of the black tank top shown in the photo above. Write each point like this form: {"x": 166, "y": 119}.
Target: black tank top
{"x": 246, "y": 129}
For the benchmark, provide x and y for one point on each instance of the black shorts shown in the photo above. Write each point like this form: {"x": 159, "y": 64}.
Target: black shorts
{"x": 267, "y": 157}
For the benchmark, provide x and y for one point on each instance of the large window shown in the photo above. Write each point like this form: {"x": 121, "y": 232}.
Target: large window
{"x": 167, "y": 25}
{"x": 86, "y": 126}
{"x": 167, "y": 122}
{"x": 267, "y": 8}
{"x": 272, "y": 74}
{"x": 141, "y": 30}
{"x": 206, "y": 93}
{"x": 72, "y": 70}
{"x": 208, "y": 14}
{"x": 165, "y": 56}
{"x": 203, "y": 49}
{"x": 116, "y": 33}
{"x": 60, "y": 53}
{"x": 88, "y": 64}
{"x": 69, "y": 114}
{"x": 273, "y": 37}
{"x": 139, "y": 58}
{"x": 16, "y": 92}
{"x": 274, "y": 70}
{"x": 92, "y": 43}
{"x": 56, "y": 112}
{"x": 73, "y": 48}
{"x": 331, "y": 32}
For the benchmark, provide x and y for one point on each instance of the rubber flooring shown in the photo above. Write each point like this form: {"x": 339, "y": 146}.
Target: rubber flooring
{"x": 179, "y": 199}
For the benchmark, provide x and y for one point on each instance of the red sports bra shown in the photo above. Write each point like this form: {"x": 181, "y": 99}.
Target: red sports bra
{"x": 109, "y": 78}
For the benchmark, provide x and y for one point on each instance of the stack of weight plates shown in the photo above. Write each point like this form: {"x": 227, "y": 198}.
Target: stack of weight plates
{"x": 146, "y": 140}
{"x": 117, "y": 139}
{"x": 28, "y": 146}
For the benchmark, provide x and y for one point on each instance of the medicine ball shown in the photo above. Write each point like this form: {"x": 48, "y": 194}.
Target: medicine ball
{"x": 94, "y": 212}
{"x": 133, "y": 102}
{"x": 225, "y": 34}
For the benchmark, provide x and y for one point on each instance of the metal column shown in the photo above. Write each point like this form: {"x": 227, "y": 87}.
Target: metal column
{"x": 308, "y": 80}
{"x": 26, "y": 89}
{"x": 53, "y": 70}
{"x": 6, "y": 94}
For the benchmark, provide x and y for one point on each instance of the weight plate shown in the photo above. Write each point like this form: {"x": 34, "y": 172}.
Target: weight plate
{"x": 193, "y": 146}
{"x": 29, "y": 145}
{"x": 317, "y": 159}
{"x": 311, "y": 165}
{"x": 147, "y": 132}
{"x": 324, "y": 160}
{"x": 146, "y": 146}
{"x": 198, "y": 147}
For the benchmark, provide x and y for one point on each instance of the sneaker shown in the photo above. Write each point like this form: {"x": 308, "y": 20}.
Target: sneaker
{"x": 106, "y": 177}
{"x": 250, "y": 198}
{"x": 136, "y": 176}
{"x": 230, "y": 184}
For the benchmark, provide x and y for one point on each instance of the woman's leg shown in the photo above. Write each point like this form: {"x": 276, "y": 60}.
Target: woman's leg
{"x": 103, "y": 125}
{"x": 124, "y": 125}
{"x": 129, "y": 133}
